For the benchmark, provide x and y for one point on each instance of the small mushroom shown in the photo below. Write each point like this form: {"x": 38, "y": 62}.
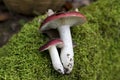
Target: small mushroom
{"x": 51, "y": 46}
{"x": 62, "y": 22}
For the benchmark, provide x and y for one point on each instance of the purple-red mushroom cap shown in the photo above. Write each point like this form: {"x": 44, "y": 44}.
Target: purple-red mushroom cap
{"x": 63, "y": 18}
{"x": 54, "y": 42}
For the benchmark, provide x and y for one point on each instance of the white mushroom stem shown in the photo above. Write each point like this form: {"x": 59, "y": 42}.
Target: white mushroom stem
{"x": 56, "y": 60}
{"x": 67, "y": 51}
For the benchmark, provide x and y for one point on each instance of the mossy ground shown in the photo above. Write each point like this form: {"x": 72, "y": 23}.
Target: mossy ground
{"x": 97, "y": 55}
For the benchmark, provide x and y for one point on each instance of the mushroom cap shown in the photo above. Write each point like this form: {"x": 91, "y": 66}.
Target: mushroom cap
{"x": 53, "y": 42}
{"x": 63, "y": 18}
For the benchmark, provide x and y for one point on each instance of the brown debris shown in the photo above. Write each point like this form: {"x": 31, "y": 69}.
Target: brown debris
{"x": 4, "y": 16}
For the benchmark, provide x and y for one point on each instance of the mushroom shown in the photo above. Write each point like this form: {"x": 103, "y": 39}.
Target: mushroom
{"x": 62, "y": 22}
{"x": 51, "y": 46}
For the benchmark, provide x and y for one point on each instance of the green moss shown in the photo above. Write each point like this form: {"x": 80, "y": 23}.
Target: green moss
{"x": 96, "y": 55}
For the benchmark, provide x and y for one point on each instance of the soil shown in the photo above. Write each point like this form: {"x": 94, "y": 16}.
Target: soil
{"x": 10, "y": 23}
